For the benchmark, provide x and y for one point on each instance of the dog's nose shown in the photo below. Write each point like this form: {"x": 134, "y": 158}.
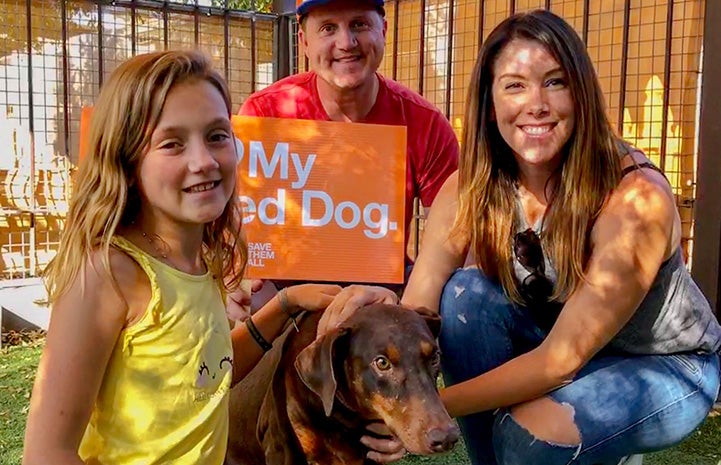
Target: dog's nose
{"x": 443, "y": 439}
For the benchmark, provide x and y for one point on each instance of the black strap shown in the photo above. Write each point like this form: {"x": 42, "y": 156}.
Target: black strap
{"x": 638, "y": 166}
{"x": 262, "y": 342}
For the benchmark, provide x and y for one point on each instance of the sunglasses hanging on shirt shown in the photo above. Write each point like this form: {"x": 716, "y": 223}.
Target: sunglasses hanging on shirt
{"x": 536, "y": 289}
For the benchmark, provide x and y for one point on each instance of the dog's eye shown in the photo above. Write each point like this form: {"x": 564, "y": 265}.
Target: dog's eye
{"x": 382, "y": 363}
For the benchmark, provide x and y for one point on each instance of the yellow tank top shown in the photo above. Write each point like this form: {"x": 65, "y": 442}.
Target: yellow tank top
{"x": 164, "y": 397}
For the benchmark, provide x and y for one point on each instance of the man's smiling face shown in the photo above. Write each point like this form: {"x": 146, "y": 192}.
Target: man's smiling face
{"x": 344, "y": 43}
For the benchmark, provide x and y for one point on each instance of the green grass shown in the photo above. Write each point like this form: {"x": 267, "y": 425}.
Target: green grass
{"x": 17, "y": 371}
{"x": 703, "y": 447}
{"x": 18, "y": 365}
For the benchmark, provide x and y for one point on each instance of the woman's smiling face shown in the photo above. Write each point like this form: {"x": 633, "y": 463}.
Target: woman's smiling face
{"x": 532, "y": 103}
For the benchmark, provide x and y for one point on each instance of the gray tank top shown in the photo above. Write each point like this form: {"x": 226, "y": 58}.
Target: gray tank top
{"x": 673, "y": 317}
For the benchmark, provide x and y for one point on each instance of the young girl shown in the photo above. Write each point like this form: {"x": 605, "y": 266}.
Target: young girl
{"x": 139, "y": 356}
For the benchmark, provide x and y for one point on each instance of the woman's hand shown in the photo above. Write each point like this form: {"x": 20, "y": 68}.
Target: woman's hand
{"x": 351, "y": 299}
{"x": 311, "y": 297}
{"x": 384, "y": 446}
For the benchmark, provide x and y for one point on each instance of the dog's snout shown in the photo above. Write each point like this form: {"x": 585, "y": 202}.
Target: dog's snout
{"x": 443, "y": 439}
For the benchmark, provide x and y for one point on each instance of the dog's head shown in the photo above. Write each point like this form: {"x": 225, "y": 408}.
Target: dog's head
{"x": 382, "y": 363}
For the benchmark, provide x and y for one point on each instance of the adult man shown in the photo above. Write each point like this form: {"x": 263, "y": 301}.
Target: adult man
{"x": 344, "y": 42}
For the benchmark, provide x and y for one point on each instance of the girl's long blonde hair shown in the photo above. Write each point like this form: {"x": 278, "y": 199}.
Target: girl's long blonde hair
{"x": 488, "y": 172}
{"x": 105, "y": 195}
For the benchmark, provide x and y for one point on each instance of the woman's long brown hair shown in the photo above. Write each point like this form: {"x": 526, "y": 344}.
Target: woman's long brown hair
{"x": 488, "y": 172}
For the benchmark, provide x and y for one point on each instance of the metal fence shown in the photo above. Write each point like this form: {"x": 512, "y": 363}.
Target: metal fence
{"x": 647, "y": 54}
{"x": 55, "y": 55}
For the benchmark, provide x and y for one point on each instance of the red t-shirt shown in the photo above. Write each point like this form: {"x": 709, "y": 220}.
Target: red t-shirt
{"x": 432, "y": 144}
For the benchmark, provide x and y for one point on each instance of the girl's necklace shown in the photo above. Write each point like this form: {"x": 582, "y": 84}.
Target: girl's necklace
{"x": 151, "y": 240}
{"x": 162, "y": 251}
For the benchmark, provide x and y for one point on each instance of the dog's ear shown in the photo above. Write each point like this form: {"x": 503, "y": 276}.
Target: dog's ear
{"x": 314, "y": 365}
{"x": 432, "y": 319}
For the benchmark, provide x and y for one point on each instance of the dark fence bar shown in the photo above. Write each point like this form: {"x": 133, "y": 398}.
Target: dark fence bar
{"x": 481, "y": 21}
{"x": 449, "y": 60}
{"x": 421, "y": 48}
{"x": 31, "y": 106}
{"x": 584, "y": 34}
{"x": 133, "y": 38}
{"x": 666, "y": 82}
{"x": 624, "y": 63}
{"x": 66, "y": 79}
{"x": 707, "y": 208}
{"x": 101, "y": 70}
{"x": 394, "y": 73}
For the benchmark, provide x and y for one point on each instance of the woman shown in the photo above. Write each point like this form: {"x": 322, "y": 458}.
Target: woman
{"x": 572, "y": 331}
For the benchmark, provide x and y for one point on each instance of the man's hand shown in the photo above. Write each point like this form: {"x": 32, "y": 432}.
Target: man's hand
{"x": 351, "y": 299}
{"x": 384, "y": 446}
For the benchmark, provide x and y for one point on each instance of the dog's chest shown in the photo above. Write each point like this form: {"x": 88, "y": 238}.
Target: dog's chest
{"x": 324, "y": 442}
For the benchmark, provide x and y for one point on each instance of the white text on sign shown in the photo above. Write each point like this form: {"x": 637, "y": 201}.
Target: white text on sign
{"x": 259, "y": 252}
{"x": 318, "y": 208}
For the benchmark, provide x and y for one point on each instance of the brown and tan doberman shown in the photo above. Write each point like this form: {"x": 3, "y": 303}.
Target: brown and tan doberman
{"x": 309, "y": 401}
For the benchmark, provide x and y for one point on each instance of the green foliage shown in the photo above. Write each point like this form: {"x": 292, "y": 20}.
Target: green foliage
{"x": 46, "y": 19}
{"x": 264, "y": 6}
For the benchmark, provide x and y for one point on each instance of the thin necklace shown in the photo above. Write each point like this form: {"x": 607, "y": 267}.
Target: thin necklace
{"x": 150, "y": 240}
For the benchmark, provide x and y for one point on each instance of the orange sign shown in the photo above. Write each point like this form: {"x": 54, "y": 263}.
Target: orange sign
{"x": 85, "y": 115}
{"x": 322, "y": 200}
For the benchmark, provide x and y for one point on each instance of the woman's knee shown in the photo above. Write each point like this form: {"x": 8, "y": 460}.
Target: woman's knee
{"x": 520, "y": 439}
{"x": 547, "y": 420}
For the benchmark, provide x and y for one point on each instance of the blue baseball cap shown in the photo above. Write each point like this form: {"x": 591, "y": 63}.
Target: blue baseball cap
{"x": 303, "y": 6}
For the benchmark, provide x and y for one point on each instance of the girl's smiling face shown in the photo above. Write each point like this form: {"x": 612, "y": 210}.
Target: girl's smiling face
{"x": 187, "y": 173}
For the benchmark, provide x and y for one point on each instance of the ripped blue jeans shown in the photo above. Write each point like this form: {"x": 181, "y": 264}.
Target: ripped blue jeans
{"x": 622, "y": 405}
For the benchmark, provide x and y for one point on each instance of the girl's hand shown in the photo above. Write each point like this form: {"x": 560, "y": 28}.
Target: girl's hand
{"x": 351, "y": 299}
{"x": 311, "y": 297}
